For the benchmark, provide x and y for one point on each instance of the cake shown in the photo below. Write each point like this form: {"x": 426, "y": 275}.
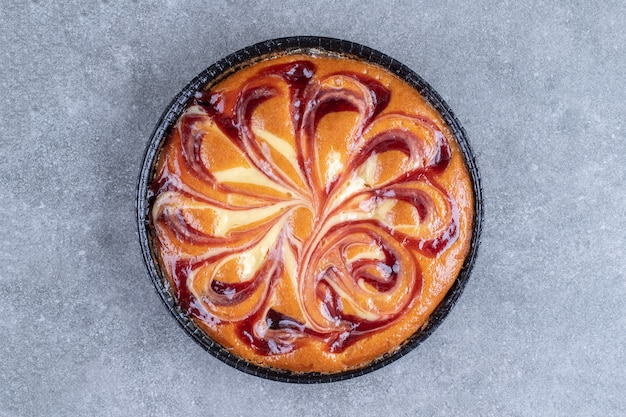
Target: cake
{"x": 310, "y": 211}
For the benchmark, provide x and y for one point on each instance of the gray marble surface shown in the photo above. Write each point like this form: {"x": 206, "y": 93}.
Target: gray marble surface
{"x": 540, "y": 88}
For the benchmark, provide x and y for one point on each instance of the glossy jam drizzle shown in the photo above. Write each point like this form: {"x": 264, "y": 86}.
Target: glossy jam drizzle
{"x": 344, "y": 229}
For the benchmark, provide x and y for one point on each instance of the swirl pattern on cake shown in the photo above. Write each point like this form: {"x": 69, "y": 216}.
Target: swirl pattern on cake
{"x": 310, "y": 213}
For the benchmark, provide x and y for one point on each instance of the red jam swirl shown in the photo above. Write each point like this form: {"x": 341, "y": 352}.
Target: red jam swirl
{"x": 229, "y": 236}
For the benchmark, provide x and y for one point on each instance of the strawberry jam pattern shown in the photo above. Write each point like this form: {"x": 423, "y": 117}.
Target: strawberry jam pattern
{"x": 244, "y": 216}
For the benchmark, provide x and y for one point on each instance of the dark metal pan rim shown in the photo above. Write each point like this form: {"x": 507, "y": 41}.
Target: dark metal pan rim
{"x": 225, "y": 67}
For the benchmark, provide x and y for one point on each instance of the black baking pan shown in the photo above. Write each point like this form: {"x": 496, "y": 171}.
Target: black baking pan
{"x": 223, "y": 68}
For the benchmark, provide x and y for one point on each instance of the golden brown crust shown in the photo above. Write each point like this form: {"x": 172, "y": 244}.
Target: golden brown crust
{"x": 197, "y": 183}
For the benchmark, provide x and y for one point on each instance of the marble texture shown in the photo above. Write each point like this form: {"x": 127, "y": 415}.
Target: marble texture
{"x": 539, "y": 86}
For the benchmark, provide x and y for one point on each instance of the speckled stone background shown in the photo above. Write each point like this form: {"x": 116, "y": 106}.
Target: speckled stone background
{"x": 541, "y": 90}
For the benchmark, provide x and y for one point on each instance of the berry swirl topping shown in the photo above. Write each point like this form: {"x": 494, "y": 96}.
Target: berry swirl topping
{"x": 296, "y": 209}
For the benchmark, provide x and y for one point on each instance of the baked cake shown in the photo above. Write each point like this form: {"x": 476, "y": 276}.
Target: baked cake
{"x": 310, "y": 211}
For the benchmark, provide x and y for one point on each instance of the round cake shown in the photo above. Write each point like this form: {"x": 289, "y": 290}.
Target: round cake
{"x": 310, "y": 211}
